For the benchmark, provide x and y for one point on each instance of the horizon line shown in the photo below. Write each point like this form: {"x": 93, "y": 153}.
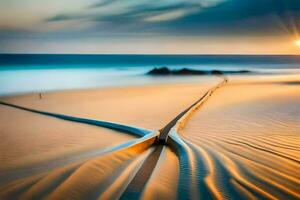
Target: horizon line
{"x": 151, "y": 54}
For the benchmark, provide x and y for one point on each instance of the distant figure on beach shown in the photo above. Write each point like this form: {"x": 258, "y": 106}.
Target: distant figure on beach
{"x": 40, "y": 95}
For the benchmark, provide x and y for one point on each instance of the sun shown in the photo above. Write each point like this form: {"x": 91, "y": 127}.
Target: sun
{"x": 297, "y": 42}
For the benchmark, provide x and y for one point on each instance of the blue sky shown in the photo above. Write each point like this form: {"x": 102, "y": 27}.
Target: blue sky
{"x": 147, "y": 26}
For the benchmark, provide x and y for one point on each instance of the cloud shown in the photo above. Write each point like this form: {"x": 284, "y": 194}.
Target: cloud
{"x": 134, "y": 26}
{"x": 143, "y": 10}
{"x": 172, "y": 15}
{"x": 190, "y": 18}
{"x": 102, "y": 3}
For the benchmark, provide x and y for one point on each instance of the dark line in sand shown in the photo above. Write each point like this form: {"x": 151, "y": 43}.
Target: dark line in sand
{"x": 164, "y": 132}
{"x": 110, "y": 125}
{"x": 265, "y": 150}
{"x": 138, "y": 183}
{"x": 136, "y": 186}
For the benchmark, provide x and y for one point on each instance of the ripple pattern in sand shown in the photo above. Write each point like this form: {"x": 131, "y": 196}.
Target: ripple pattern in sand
{"x": 245, "y": 150}
{"x": 251, "y": 149}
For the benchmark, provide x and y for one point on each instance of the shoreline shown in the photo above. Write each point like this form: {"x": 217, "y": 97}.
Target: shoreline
{"x": 14, "y": 82}
{"x": 185, "y": 80}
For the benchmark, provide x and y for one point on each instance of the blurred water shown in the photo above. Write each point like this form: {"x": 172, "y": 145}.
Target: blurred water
{"x": 36, "y": 73}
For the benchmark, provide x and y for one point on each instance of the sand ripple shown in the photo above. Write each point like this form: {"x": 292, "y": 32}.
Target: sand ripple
{"x": 245, "y": 147}
{"x": 251, "y": 148}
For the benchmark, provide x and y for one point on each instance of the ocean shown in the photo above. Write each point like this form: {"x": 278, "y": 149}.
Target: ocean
{"x": 26, "y": 73}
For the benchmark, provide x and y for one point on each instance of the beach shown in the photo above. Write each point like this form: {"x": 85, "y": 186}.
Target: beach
{"x": 238, "y": 139}
{"x": 150, "y": 100}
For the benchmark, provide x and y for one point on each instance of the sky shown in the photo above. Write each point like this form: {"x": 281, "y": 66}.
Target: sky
{"x": 150, "y": 26}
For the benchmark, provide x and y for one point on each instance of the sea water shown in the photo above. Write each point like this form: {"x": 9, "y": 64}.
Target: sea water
{"x": 25, "y": 73}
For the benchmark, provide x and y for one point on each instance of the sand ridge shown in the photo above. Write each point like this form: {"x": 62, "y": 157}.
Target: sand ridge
{"x": 205, "y": 165}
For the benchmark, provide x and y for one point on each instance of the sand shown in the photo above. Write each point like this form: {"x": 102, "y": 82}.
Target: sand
{"x": 138, "y": 106}
{"x": 249, "y": 137}
{"x": 241, "y": 143}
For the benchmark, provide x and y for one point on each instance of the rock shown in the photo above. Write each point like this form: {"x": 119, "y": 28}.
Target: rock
{"x": 185, "y": 71}
{"x": 216, "y": 72}
{"x": 160, "y": 71}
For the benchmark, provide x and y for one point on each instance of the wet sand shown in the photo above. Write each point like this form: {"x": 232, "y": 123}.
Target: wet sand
{"x": 240, "y": 141}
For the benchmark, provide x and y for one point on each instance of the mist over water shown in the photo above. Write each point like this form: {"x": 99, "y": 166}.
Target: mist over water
{"x": 40, "y": 73}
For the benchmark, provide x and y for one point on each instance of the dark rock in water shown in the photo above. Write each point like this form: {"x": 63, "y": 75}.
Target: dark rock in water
{"x": 216, "y": 72}
{"x": 160, "y": 71}
{"x": 243, "y": 71}
{"x": 167, "y": 71}
{"x": 185, "y": 71}
{"x": 236, "y": 72}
